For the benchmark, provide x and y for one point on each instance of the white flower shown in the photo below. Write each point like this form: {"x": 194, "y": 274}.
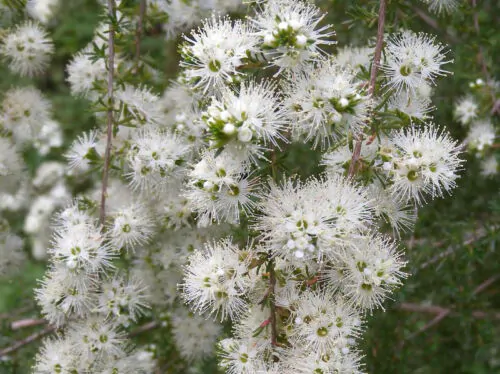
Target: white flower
{"x": 50, "y": 136}
{"x": 156, "y": 159}
{"x": 489, "y": 166}
{"x": 326, "y": 323}
{"x": 354, "y": 57}
{"x": 466, "y": 110}
{"x": 195, "y": 336}
{"x": 83, "y": 73}
{"x": 28, "y": 49}
{"x": 400, "y": 215}
{"x": 312, "y": 220}
{"x": 212, "y": 55}
{"x": 251, "y": 114}
{"x": 442, "y": 6}
{"x": 214, "y": 281}
{"x": 23, "y": 112}
{"x": 83, "y": 151}
{"x": 426, "y": 162}
{"x": 413, "y": 59}
{"x": 289, "y": 34}
{"x": 42, "y": 10}
{"x": 371, "y": 269}
{"x": 130, "y": 226}
{"x": 219, "y": 187}
{"x": 56, "y": 354}
{"x": 238, "y": 356}
{"x": 413, "y": 105}
{"x": 481, "y": 136}
{"x": 140, "y": 103}
{"x": 124, "y": 299}
{"x": 82, "y": 247}
{"x": 97, "y": 338}
{"x": 325, "y": 103}
{"x": 12, "y": 255}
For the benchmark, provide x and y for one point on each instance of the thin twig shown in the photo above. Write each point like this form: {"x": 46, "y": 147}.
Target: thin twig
{"x": 16, "y": 312}
{"x": 29, "y": 322}
{"x": 373, "y": 78}
{"x": 482, "y": 60}
{"x": 488, "y": 282}
{"x": 272, "y": 303}
{"x": 29, "y": 339}
{"x": 109, "y": 118}
{"x": 439, "y": 310}
{"x": 452, "y": 249}
{"x": 433, "y": 23}
{"x": 138, "y": 34}
{"x": 144, "y": 328}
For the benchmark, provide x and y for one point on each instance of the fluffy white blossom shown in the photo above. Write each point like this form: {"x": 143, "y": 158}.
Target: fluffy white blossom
{"x": 312, "y": 220}
{"x": 368, "y": 272}
{"x": 325, "y": 103}
{"x": 250, "y": 116}
{"x": 289, "y": 33}
{"x": 219, "y": 188}
{"x": 130, "y": 226}
{"x": 322, "y": 323}
{"x": 23, "y": 112}
{"x": 215, "y": 282}
{"x": 213, "y": 53}
{"x": 195, "y": 336}
{"x": 466, "y": 110}
{"x": 27, "y": 48}
{"x": 83, "y": 73}
{"x": 481, "y": 135}
{"x": 12, "y": 256}
{"x": 412, "y": 60}
{"x": 425, "y": 162}
{"x": 156, "y": 159}
{"x": 42, "y": 10}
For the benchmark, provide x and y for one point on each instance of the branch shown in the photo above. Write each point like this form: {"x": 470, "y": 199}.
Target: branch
{"x": 144, "y": 328}
{"x": 482, "y": 61}
{"x": 29, "y": 322}
{"x": 272, "y": 302}
{"x": 138, "y": 33}
{"x": 439, "y": 310}
{"x": 109, "y": 117}
{"x": 373, "y": 78}
{"x": 452, "y": 249}
{"x": 433, "y": 23}
{"x": 29, "y": 339}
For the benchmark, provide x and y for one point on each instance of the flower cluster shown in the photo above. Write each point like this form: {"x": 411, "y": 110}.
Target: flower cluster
{"x": 474, "y": 112}
{"x": 198, "y": 212}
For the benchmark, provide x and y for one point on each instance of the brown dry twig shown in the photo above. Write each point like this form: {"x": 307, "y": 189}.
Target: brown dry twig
{"x": 373, "y": 78}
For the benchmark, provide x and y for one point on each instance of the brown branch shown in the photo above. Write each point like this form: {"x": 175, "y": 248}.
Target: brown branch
{"x": 109, "y": 117}
{"x": 439, "y": 310}
{"x": 488, "y": 282}
{"x": 452, "y": 249}
{"x": 272, "y": 302}
{"x": 433, "y": 23}
{"x": 138, "y": 34}
{"x": 482, "y": 60}
{"x": 29, "y": 339}
{"x": 373, "y": 79}
{"x": 29, "y": 322}
{"x": 144, "y": 328}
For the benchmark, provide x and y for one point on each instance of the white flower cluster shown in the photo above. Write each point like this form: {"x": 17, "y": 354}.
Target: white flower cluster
{"x": 181, "y": 15}
{"x": 27, "y": 48}
{"x": 200, "y": 207}
{"x": 472, "y": 113}
{"x": 442, "y": 6}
